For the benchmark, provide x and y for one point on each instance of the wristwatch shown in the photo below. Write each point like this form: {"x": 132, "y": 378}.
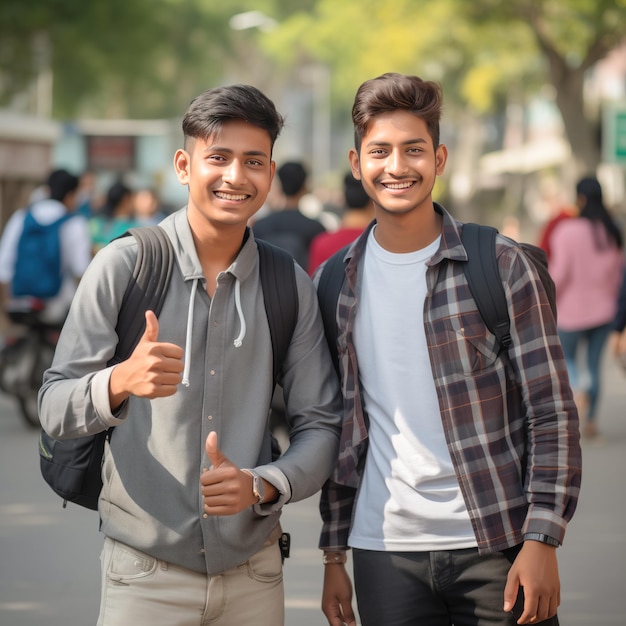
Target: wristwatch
{"x": 551, "y": 541}
{"x": 258, "y": 488}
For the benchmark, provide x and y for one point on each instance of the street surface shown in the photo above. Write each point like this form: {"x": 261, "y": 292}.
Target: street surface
{"x": 49, "y": 567}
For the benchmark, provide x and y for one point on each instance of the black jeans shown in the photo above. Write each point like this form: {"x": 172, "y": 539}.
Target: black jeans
{"x": 443, "y": 588}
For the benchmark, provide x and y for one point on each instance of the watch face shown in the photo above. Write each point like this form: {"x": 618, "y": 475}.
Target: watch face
{"x": 257, "y": 488}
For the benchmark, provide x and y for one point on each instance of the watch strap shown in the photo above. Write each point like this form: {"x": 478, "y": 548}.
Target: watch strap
{"x": 541, "y": 537}
{"x": 257, "y": 486}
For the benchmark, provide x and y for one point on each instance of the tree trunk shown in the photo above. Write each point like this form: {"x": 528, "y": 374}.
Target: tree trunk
{"x": 580, "y": 131}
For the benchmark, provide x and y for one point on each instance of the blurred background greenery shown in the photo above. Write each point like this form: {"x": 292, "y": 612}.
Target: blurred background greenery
{"x": 534, "y": 89}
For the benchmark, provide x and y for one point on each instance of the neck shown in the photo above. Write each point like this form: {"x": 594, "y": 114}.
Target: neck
{"x": 408, "y": 232}
{"x": 357, "y": 219}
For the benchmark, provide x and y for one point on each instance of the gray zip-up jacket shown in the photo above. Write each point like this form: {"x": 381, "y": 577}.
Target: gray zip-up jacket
{"x": 151, "y": 499}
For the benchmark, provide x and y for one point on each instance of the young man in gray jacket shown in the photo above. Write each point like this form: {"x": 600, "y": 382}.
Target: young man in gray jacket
{"x": 191, "y": 500}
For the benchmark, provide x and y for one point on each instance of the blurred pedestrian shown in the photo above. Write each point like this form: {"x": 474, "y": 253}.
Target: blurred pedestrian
{"x": 87, "y": 197}
{"x": 57, "y": 201}
{"x": 357, "y": 214}
{"x": 115, "y": 217}
{"x": 587, "y": 265}
{"x": 288, "y": 227}
{"x": 147, "y": 208}
{"x": 459, "y": 466}
{"x": 617, "y": 337}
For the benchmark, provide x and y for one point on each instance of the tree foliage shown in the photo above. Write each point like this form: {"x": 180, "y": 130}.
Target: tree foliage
{"x": 147, "y": 58}
{"x": 481, "y": 51}
{"x": 114, "y": 58}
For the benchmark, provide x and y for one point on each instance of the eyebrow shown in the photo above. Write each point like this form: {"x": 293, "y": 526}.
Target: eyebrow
{"x": 409, "y": 142}
{"x": 231, "y": 151}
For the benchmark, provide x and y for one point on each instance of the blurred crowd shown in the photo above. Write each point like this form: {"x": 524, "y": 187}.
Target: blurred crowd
{"x": 582, "y": 239}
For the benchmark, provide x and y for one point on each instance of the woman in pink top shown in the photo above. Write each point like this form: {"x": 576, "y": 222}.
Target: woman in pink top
{"x": 587, "y": 265}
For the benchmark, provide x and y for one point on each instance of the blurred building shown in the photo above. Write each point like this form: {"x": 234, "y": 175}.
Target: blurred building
{"x": 26, "y": 157}
{"x": 140, "y": 151}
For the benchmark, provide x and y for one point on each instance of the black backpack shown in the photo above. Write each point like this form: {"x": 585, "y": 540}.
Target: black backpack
{"x": 72, "y": 467}
{"x": 481, "y": 271}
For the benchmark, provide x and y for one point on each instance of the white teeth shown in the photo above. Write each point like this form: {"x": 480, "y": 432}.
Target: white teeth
{"x": 398, "y": 185}
{"x": 230, "y": 196}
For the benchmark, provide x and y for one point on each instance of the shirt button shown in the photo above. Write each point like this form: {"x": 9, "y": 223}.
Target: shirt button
{"x": 209, "y": 417}
{"x": 202, "y": 550}
{"x": 205, "y": 515}
{"x": 212, "y": 372}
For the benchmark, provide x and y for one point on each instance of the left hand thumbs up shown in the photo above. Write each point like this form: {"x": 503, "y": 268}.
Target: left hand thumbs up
{"x": 225, "y": 488}
{"x": 213, "y": 452}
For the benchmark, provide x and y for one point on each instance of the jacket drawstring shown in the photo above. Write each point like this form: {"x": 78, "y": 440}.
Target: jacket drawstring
{"x": 188, "y": 338}
{"x": 242, "y": 333}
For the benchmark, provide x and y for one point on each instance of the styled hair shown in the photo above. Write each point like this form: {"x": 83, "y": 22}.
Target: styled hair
{"x": 353, "y": 192}
{"x": 594, "y": 210}
{"x": 292, "y": 176}
{"x": 60, "y": 183}
{"x": 208, "y": 112}
{"x": 116, "y": 194}
{"x": 392, "y": 92}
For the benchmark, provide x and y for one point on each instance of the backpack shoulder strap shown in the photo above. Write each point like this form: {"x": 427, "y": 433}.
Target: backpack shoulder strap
{"x": 483, "y": 277}
{"x": 146, "y": 288}
{"x": 280, "y": 296}
{"x": 328, "y": 289}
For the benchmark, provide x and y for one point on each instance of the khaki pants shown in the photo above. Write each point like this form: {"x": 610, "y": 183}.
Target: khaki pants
{"x": 140, "y": 590}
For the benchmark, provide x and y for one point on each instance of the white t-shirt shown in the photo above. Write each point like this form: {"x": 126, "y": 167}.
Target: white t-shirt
{"x": 409, "y": 498}
{"x": 75, "y": 251}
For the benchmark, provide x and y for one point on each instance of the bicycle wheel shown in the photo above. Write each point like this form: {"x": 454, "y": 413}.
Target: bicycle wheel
{"x": 40, "y": 357}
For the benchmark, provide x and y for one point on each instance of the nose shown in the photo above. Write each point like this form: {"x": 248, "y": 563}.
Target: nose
{"x": 396, "y": 163}
{"x": 234, "y": 172}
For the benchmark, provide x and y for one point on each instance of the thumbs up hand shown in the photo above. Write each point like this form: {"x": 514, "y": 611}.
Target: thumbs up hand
{"x": 153, "y": 370}
{"x": 225, "y": 488}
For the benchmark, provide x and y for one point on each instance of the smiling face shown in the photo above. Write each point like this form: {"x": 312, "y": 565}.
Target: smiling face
{"x": 398, "y": 163}
{"x": 229, "y": 175}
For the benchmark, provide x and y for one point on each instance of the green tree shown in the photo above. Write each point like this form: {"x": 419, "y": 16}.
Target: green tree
{"x": 113, "y": 58}
{"x": 571, "y": 36}
{"x": 483, "y": 52}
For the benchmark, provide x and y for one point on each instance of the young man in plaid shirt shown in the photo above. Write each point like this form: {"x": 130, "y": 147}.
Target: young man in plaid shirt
{"x": 459, "y": 465}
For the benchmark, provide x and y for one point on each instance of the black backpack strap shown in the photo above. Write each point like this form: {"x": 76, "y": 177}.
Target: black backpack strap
{"x": 328, "y": 289}
{"x": 72, "y": 467}
{"x": 280, "y": 296}
{"x": 483, "y": 277}
{"x": 146, "y": 288}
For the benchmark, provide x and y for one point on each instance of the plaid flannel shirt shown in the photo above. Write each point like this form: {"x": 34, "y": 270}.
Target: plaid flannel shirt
{"x": 510, "y": 421}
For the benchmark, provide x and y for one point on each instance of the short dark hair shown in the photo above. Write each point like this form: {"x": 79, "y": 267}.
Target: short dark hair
{"x": 292, "y": 176}
{"x": 60, "y": 182}
{"x": 208, "y": 111}
{"x": 116, "y": 193}
{"x": 353, "y": 192}
{"x": 391, "y": 92}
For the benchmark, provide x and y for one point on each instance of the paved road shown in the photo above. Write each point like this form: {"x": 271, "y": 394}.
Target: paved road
{"x": 49, "y": 556}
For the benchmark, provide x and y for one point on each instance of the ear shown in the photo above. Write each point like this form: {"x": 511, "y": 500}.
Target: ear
{"x": 355, "y": 166}
{"x": 441, "y": 157}
{"x": 182, "y": 165}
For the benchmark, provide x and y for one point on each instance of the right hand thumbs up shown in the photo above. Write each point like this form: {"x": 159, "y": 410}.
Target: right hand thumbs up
{"x": 151, "y": 333}
{"x": 153, "y": 370}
